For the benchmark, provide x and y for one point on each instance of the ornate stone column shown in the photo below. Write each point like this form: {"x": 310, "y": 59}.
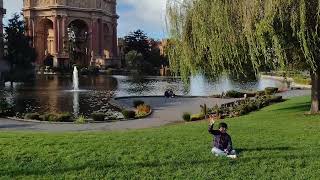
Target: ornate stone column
{"x": 55, "y": 43}
{"x": 114, "y": 41}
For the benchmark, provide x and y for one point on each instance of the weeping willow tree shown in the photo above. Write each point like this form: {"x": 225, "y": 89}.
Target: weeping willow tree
{"x": 214, "y": 37}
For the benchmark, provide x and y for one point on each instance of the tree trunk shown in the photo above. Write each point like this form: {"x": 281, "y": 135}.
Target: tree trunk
{"x": 315, "y": 91}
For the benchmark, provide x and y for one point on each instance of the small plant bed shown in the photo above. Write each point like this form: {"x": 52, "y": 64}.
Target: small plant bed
{"x": 68, "y": 117}
{"x": 234, "y": 109}
{"x": 237, "y": 94}
{"x": 109, "y": 116}
{"x": 141, "y": 110}
{"x": 50, "y": 117}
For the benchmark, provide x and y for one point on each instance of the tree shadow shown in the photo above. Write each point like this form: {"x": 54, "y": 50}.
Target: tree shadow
{"x": 265, "y": 149}
{"x": 297, "y": 107}
{"x": 101, "y": 166}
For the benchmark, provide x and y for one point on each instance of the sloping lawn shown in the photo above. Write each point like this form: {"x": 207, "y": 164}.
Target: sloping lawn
{"x": 279, "y": 142}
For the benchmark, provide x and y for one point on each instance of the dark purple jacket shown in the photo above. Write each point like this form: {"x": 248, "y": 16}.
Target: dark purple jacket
{"x": 221, "y": 141}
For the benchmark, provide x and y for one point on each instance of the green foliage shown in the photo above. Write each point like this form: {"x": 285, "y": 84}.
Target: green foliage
{"x": 56, "y": 117}
{"x": 128, "y": 114}
{"x": 186, "y": 116}
{"x": 32, "y": 116}
{"x": 98, "y": 116}
{"x": 137, "y": 41}
{"x": 134, "y": 60}
{"x": 271, "y": 90}
{"x": 234, "y": 94}
{"x": 5, "y": 108}
{"x": 81, "y": 120}
{"x": 260, "y": 93}
{"x": 142, "y": 53}
{"x": 218, "y": 37}
{"x": 137, "y": 103}
{"x": 64, "y": 117}
{"x": 19, "y": 52}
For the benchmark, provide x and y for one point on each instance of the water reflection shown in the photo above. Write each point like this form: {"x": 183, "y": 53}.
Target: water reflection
{"x": 52, "y": 93}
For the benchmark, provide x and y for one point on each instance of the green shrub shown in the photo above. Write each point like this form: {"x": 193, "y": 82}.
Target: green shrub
{"x": 186, "y": 116}
{"x": 32, "y": 116}
{"x": 129, "y": 114}
{"x": 197, "y": 117}
{"x": 137, "y": 103}
{"x": 271, "y": 90}
{"x": 260, "y": 93}
{"x": 53, "y": 117}
{"x": 56, "y": 117}
{"x": 64, "y": 117}
{"x": 217, "y": 110}
{"x": 98, "y": 116}
{"x": 81, "y": 120}
{"x": 5, "y": 108}
{"x": 234, "y": 94}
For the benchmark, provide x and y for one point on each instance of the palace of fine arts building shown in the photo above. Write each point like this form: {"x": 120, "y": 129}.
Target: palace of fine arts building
{"x": 94, "y": 22}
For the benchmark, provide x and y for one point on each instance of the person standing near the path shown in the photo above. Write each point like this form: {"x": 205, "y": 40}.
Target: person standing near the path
{"x": 222, "y": 143}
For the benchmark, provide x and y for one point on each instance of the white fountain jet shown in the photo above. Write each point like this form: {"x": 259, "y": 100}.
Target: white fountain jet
{"x": 75, "y": 79}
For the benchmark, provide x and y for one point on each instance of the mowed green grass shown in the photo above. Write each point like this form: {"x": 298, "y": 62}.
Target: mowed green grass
{"x": 278, "y": 142}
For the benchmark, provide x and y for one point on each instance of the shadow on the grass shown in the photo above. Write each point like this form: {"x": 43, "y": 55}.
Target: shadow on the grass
{"x": 101, "y": 166}
{"x": 265, "y": 149}
{"x": 297, "y": 107}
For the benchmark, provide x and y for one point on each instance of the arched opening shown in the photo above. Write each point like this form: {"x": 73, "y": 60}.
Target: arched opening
{"x": 78, "y": 39}
{"x": 45, "y": 41}
{"x": 107, "y": 41}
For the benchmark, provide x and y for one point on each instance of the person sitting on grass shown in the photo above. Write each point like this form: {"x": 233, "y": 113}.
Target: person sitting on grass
{"x": 222, "y": 143}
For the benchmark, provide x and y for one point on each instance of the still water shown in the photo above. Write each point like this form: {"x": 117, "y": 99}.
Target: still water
{"x": 54, "y": 93}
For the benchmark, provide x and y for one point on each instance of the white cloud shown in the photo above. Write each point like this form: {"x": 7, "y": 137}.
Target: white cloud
{"x": 148, "y": 15}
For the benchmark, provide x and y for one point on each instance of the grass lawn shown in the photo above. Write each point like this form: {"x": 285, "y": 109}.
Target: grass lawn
{"x": 279, "y": 142}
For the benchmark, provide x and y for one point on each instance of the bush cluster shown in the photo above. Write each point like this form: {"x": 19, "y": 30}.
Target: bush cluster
{"x": 266, "y": 91}
{"x": 32, "y": 116}
{"x": 98, "y": 116}
{"x": 51, "y": 117}
{"x": 271, "y": 90}
{"x": 246, "y": 106}
{"x": 128, "y": 114}
{"x": 5, "y": 108}
{"x": 186, "y": 116}
{"x": 234, "y": 94}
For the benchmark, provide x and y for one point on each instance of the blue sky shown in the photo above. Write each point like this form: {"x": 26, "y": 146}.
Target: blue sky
{"x": 148, "y": 15}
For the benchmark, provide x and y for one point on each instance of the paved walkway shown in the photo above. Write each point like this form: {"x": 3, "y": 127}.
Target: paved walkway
{"x": 166, "y": 111}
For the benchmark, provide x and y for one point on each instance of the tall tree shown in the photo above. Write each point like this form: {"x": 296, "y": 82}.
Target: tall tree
{"x": 19, "y": 52}
{"x": 137, "y": 41}
{"x": 224, "y": 36}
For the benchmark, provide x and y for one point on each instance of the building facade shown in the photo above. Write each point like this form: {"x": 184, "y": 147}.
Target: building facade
{"x": 61, "y": 28}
